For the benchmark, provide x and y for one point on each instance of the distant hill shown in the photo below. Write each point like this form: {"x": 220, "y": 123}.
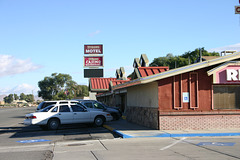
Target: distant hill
{"x": 2, "y": 96}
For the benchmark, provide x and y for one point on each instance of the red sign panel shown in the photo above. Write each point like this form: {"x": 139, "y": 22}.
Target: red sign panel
{"x": 93, "y": 49}
{"x": 96, "y": 61}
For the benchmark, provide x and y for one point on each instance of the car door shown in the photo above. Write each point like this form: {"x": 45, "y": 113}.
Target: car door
{"x": 80, "y": 115}
{"x": 65, "y": 114}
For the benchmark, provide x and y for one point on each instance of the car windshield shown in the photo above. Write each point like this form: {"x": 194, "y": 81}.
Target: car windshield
{"x": 99, "y": 106}
{"x": 103, "y": 104}
{"x": 47, "y": 108}
{"x": 40, "y": 105}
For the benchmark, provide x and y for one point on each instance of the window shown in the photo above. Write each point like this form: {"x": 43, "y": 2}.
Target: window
{"x": 77, "y": 108}
{"x": 88, "y": 104}
{"x": 47, "y": 108}
{"x": 55, "y": 109}
{"x": 44, "y": 105}
{"x": 226, "y": 96}
{"x": 48, "y": 104}
{"x": 64, "y": 108}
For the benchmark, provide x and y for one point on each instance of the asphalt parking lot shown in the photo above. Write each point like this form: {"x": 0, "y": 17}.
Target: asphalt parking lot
{"x": 14, "y": 136}
{"x": 83, "y": 142}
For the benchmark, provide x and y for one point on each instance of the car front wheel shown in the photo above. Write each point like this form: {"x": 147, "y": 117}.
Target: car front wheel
{"x": 99, "y": 120}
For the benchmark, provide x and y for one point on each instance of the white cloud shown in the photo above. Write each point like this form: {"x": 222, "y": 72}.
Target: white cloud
{"x": 22, "y": 88}
{"x": 234, "y": 47}
{"x": 9, "y": 65}
{"x": 94, "y": 33}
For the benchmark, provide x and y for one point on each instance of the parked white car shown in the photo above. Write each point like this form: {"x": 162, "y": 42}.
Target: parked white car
{"x": 53, "y": 116}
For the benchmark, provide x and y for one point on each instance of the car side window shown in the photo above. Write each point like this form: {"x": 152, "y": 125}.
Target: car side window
{"x": 55, "y": 109}
{"x": 77, "y": 108}
{"x": 64, "y": 108}
{"x": 88, "y": 104}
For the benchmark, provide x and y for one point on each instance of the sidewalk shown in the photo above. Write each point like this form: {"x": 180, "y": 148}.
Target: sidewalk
{"x": 126, "y": 129}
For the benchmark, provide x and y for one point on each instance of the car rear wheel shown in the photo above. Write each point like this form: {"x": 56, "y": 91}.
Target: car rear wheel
{"x": 53, "y": 124}
{"x": 99, "y": 120}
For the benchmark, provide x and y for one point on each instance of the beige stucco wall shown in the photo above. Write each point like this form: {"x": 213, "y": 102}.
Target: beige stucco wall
{"x": 92, "y": 95}
{"x": 145, "y": 95}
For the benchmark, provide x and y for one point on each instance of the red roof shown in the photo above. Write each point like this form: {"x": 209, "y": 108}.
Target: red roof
{"x": 148, "y": 71}
{"x": 117, "y": 82}
{"x": 100, "y": 83}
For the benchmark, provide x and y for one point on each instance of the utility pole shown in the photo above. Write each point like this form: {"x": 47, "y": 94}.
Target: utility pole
{"x": 200, "y": 54}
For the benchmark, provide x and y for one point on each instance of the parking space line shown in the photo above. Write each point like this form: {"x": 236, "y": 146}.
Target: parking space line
{"x": 174, "y": 143}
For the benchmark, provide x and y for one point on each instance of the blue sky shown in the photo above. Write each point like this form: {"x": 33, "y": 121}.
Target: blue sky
{"x": 41, "y": 37}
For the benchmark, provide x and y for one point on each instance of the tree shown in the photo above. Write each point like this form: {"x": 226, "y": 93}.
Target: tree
{"x": 29, "y": 98}
{"x": 16, "y": 97}
{"x": 8, "y": 99}
{"x": 81, "y": 91}
{"x": 58, "y": 87}
{"x": 85, "y": 91}
{"x": 170, "y": 61}
{"x": 193, "y": 55}
{"x": 183, "y": 60}
{"x": 22, "y": 96}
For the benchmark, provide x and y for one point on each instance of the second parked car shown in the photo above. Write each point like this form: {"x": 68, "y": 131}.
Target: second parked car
{"x": 96, "y": 105}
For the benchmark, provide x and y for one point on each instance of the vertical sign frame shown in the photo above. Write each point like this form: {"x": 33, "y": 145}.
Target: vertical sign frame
{"x": 93, "y": 60}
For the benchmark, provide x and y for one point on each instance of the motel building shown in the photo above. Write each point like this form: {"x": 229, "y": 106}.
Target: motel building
{"x": 203, "y": 95}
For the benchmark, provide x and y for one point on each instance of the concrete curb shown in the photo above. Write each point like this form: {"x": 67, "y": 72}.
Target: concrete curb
{"x": 117, "y": 132}
{"x": 162, "y": 135}
{"x": 192, "y": 135}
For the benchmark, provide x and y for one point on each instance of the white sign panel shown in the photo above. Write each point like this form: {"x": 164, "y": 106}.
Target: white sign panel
{"x": 233, "y": 75}
{"x": 185, "y": 97}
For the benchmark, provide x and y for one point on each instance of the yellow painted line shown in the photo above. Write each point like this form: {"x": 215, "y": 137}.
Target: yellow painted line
{"x": 108, "y": 127}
